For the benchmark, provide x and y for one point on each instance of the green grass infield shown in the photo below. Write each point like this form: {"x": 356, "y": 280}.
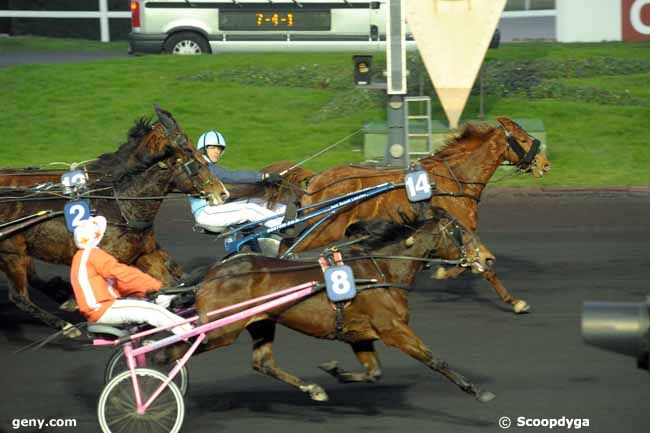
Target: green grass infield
{"x": 593, "y": 100}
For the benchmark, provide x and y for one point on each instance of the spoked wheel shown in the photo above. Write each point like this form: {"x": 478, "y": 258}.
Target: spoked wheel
{"x": 117, "y": 364}
{"x": 117, "y": 410}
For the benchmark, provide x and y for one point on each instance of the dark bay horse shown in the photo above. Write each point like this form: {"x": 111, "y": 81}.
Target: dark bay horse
{"x": 292, "y": 187}
{"x": 392, "y": 255}
{"x": 463, "y": 167}
{"x": 126, "y": 187}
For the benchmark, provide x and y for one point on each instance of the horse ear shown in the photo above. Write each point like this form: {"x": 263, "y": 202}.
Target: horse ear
{"x": 508, "y": 123}
{"x": 165, "y": 118}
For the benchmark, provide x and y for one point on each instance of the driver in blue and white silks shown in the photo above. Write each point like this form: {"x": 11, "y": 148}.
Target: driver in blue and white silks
{"x": 218, "y": 218}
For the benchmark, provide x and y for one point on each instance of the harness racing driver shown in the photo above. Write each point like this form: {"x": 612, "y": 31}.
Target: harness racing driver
{"x": 217, "y": 218}
{"x": 104, "y": 288}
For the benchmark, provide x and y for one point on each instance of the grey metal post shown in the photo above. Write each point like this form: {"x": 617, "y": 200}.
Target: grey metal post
{"x": 397, "y": 147}
{"x": 397, "y": 152}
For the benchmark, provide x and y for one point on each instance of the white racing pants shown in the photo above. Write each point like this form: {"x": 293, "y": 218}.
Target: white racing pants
{"x": 218, "y": 218}
{"x": 141, "y": 311}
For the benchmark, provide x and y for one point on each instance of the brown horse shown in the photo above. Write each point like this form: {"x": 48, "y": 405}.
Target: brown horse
{"x": 126, "y": 187}
{"x": 462, "y": 168}
{"x": 376, "y": 313}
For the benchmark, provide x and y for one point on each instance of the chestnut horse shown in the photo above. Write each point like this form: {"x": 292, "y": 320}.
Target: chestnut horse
{"x": 126, "y": 187}
{"x": 462, "y": 168}
{"x": 376, "y": 313}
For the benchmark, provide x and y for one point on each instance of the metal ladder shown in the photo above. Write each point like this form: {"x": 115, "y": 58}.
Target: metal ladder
{"x": 409, "y": 102}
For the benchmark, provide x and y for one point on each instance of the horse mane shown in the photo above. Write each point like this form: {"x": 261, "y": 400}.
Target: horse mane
{"x": 464, "y": 141}
{"x": 119, "y": 163}
{"x": 382, "y": 232}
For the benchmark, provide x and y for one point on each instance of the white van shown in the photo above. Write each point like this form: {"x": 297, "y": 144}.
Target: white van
{"x": 205, "y": 26}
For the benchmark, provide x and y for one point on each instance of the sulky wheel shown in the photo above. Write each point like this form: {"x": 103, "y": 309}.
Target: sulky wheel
{"x": 117, "y": 364}
{"x": 117, "y": 412}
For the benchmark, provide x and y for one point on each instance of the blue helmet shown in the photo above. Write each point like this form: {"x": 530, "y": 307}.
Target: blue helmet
{"x": 210, "y": 138}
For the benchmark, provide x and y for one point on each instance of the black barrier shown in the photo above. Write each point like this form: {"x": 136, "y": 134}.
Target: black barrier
{"x": 621, "y": 327}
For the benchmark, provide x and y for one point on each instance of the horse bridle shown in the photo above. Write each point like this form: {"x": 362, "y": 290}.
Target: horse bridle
{"x": 456, "y": 235}
{"x": 452, "y": 229}
{"x": 190, "y": 167}
{"x": 525, "y": 158}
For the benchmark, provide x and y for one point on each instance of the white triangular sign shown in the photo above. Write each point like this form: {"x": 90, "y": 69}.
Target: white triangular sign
{"x": 452, "y": 37}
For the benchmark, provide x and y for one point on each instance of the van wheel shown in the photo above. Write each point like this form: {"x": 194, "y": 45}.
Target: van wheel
{"x": 187, "y": 43}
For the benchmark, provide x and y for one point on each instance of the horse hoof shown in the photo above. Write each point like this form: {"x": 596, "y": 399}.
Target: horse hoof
{"x": 439, "y": 274}
{"x": 329, "y": 367}
{"x": 521, "y": 307}
{"x": 485, "y": 396}
{"x": 70, "y": 306}
{"x": 316, "y": 393}
{"x": 70, "y": 331}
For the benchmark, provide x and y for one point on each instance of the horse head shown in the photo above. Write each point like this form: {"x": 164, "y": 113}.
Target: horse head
{"x": 523, "y": 150}
{"x": 432, "y": 233}
{"x": 294, "y": 180}
{"x": 169, "y": 147}
{"x": 440, "y": 234}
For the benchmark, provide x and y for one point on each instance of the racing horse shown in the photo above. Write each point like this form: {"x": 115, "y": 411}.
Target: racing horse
{"x": 460, "y": 170}
{"x": 292, "y": 187}
{"x": 391, "y": 253}
{"x": 127, "y": 187}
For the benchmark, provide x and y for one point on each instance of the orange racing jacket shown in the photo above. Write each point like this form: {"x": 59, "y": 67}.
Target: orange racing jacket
{"x": 98, "y": 279}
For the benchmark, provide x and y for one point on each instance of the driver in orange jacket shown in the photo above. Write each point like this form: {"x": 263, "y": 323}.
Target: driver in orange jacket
{"x": 101, "y": 284}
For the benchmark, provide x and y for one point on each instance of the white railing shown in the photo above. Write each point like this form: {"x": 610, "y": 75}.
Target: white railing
{"x": 103, "y": 14}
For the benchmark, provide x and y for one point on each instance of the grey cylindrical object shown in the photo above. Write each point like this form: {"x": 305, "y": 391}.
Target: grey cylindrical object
{"x": 617, "y": 326}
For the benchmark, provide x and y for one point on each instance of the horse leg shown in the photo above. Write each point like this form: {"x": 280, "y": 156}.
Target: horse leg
{"x": 519, "y": 306}
{"x": 220, "y": 337}
{"x": 401, "y": 336}
{"x": 15, "y": 263}
{"x": 487, "y": 258}
{"x": 262, "y": 333}
{"x": 443, "y": 274}
{"x": 57, "y": 289}
{"x": 365, "y": 353}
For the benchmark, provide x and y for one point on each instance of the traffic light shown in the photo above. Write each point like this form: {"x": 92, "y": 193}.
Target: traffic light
{"x": 362, "y": 68}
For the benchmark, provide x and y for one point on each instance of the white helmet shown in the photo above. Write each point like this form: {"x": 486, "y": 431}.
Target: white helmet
{"x": 210, "y": 138}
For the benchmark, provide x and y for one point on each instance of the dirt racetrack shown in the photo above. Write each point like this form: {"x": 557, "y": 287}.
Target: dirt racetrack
{"x": 554, "y": 249}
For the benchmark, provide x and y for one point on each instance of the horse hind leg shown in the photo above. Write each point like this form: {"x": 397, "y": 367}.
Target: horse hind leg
{"x": 366, "y": 355}
{"x": 15, "y": 263}
{"x": 262, "y": 333}
{"x": 57, "y": 289}
{"x": 404, "y": 338}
